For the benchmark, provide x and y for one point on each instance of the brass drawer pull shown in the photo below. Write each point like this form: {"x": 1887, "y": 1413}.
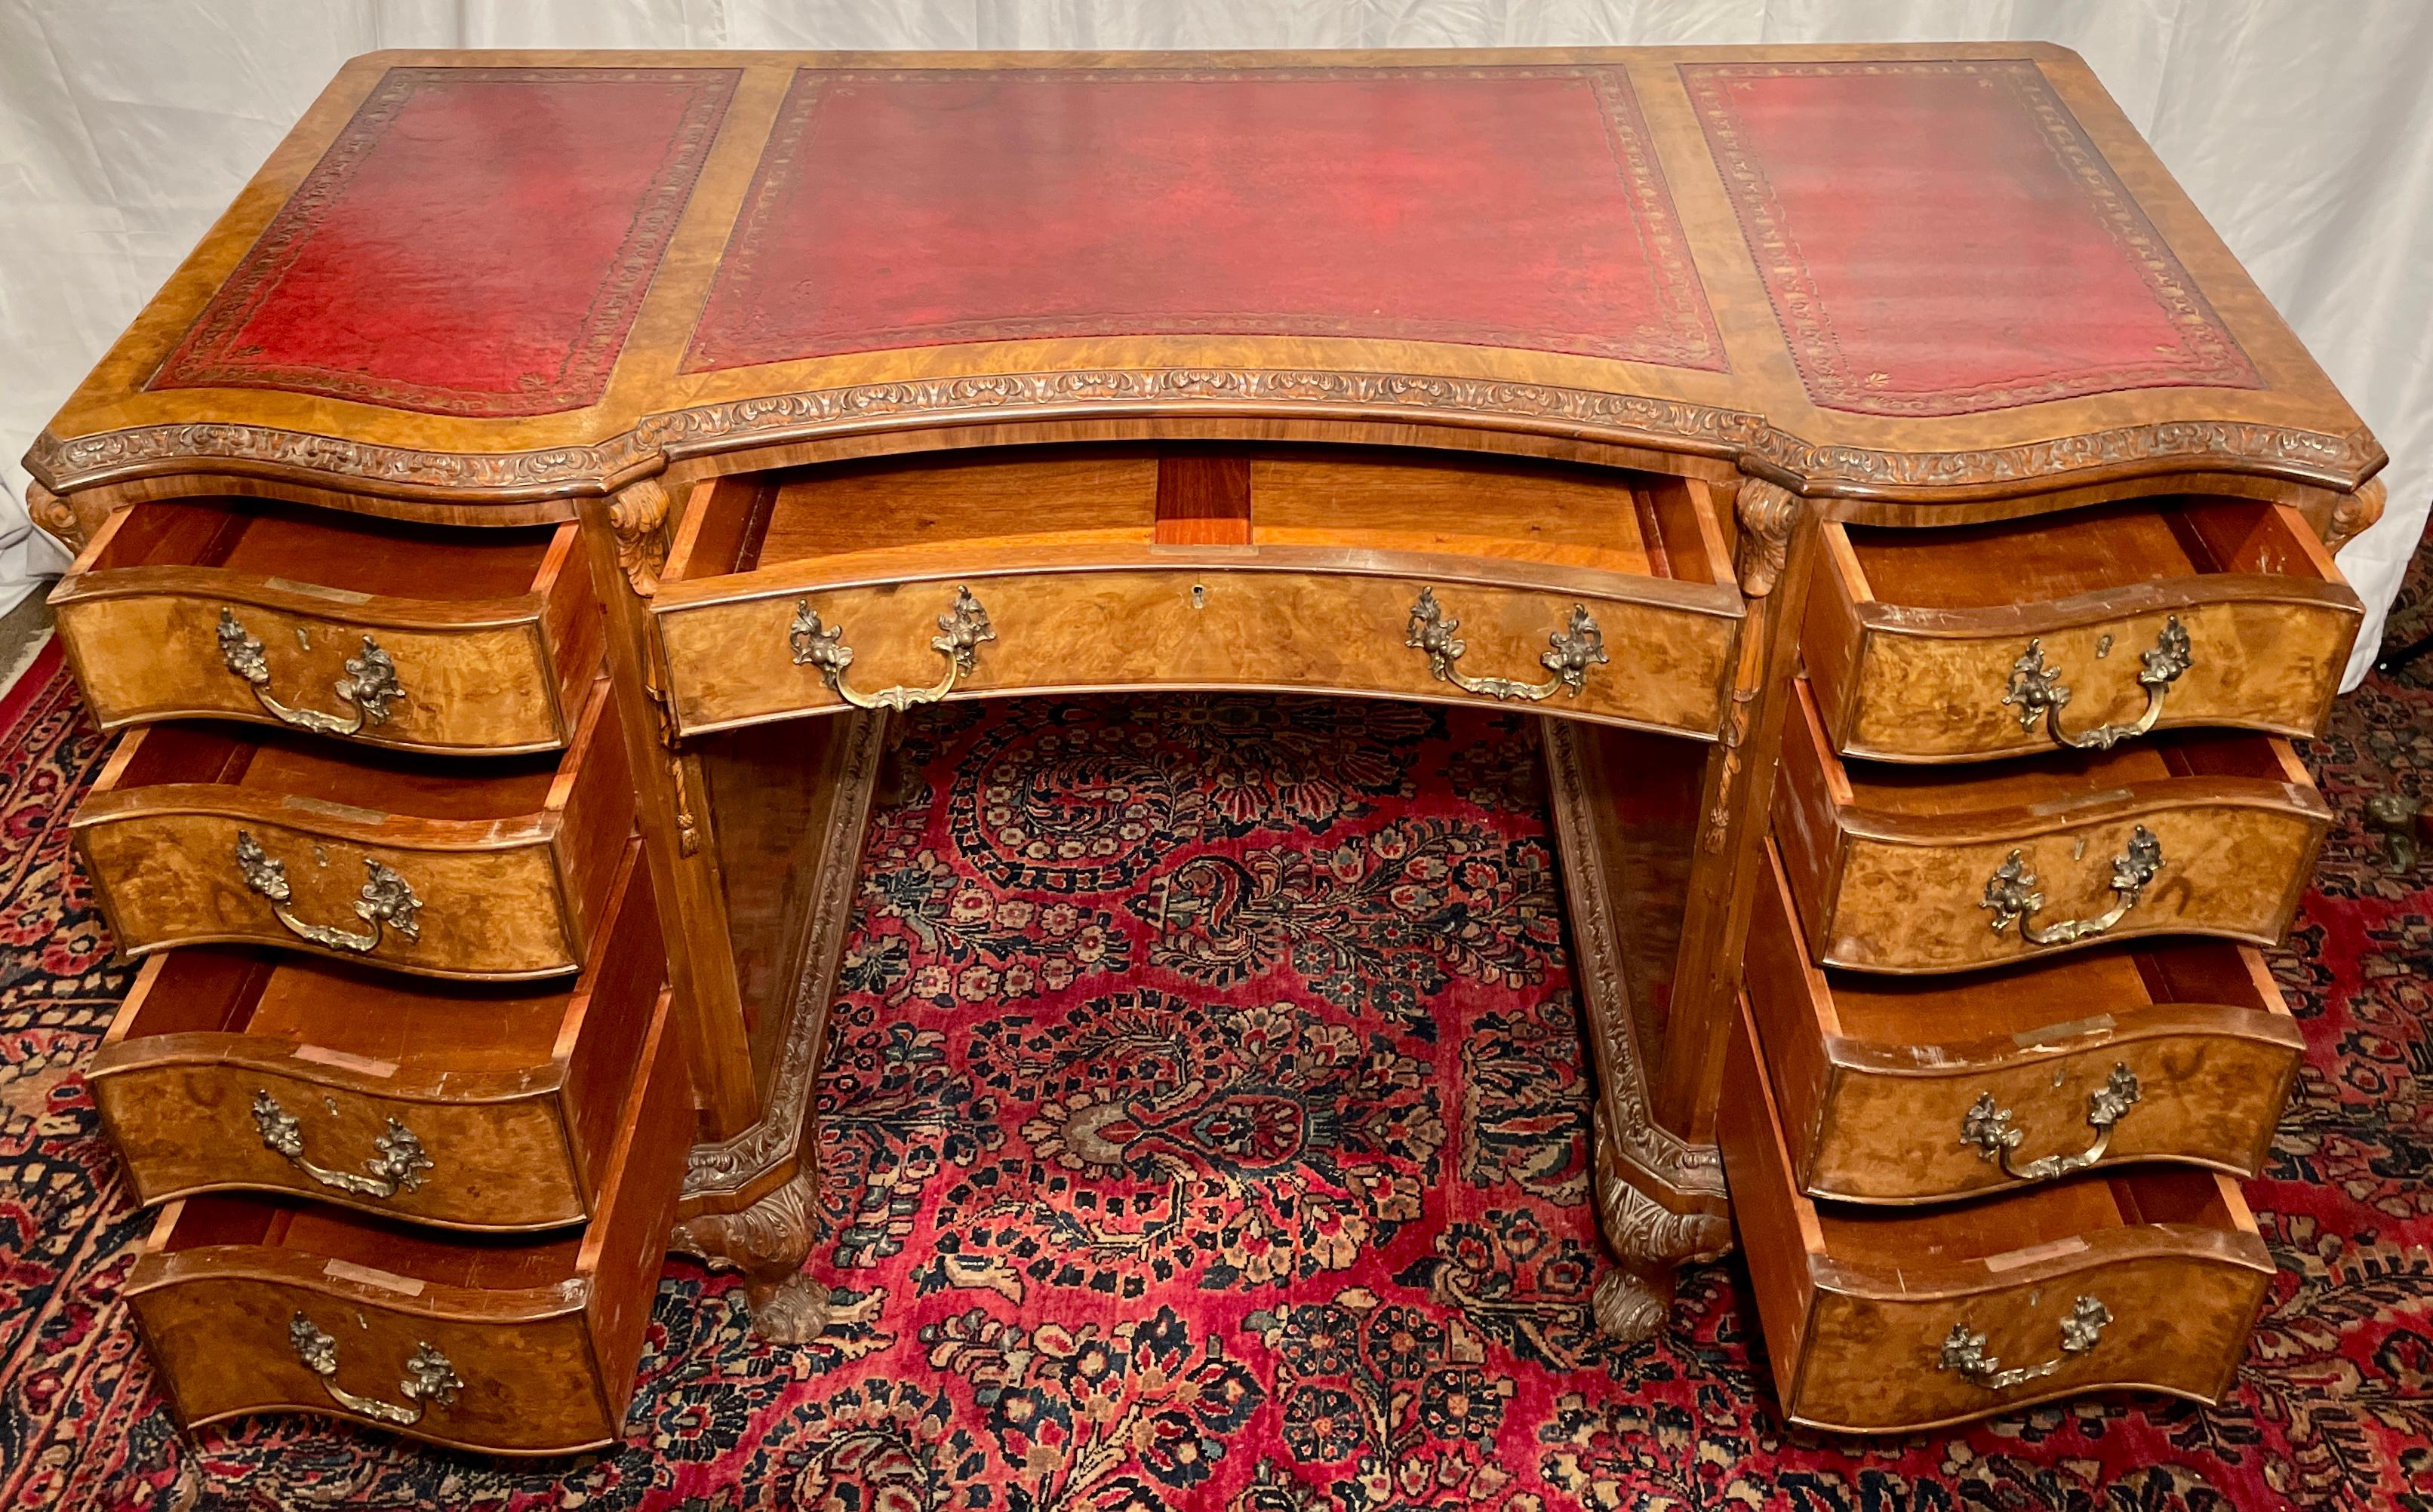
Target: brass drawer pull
{"x": 1964, "y": 1353}
{"x": 1987, "y": 1126}
{"x": 368, "y": 687}
{"x": 2037, "y": 691}
{"x": 397, "y": 1167}
{"x": 429, "y": 1377}
{"x": 961, "y": 631}
{"x": 387, "y": 902}
{"x": 2011, "y": 893}
{"x": 1576, "y": 646}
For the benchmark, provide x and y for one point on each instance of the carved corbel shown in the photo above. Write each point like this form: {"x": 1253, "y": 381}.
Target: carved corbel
{"x": 637, "y": 516}
{"x": 1767, "y": 514}
{"x": 2355, "y": 513}
{"x": 58, "y": 518}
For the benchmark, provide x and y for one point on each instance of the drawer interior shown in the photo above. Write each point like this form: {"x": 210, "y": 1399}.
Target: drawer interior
{"x": 355, "y": 553}
{"x": 471, "y": 1261}
{"x": 407, "y": 1029}
{"x": 1362, "y": 497}
{"x": 1988, "y": 1004}
{"x": 2062, "y": 776}
{"x": 372, "y": 780}
{"x": 2059, "y": 1214}
{"x": 2078, "y": 551}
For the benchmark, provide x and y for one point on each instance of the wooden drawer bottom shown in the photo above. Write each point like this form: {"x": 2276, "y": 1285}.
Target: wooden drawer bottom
{"x": 258, "y": 1306}
{"x": 1890, "y": 1319}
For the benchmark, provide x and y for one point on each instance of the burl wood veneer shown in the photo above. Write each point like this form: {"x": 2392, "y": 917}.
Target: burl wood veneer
{"x": 479, "y": 1109}
{"x": 1615, "y": 384}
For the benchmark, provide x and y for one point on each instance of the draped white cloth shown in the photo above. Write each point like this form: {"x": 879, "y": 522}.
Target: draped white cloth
{"x": 2302, "y": 130}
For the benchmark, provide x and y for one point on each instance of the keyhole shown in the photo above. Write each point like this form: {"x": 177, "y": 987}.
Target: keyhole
{"x": 303, "y": 639}
{"x": 1199, "y": 596}
{"x": 2104, "y": 648}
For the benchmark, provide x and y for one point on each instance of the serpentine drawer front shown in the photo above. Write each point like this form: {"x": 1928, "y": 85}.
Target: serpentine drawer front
{"x": 403, "y": 636}
{"x": 1917, "y": 1089}
{"x": 2081, "y": 629}
{"x": 1050, "y": 569}
{"x": 252, "y": 1304}
{"x": 1886, "y": 1320}
{"x": 1919, "y": 868}
{"x": 197, "y": 833}
{"x": 481, "y": 1107}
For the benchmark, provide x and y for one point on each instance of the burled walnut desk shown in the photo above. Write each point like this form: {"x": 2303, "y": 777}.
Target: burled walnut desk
{"x": 1912, "y": 523}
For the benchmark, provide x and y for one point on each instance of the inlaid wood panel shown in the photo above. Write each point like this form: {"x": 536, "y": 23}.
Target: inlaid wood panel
{"x": 191, "y": 830}
{"x": 478, "y": 1108}
{"x": 1874, "y": 1315}
{"x": 1913, "y": 638}
{"x": 1876, "y": 1078}
{"x": 540, "y": 1338}
{"x": 486, "y": 642}
{"x": 1895, "y": 869}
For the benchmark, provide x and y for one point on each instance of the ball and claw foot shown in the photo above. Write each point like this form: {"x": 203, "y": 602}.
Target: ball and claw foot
{"x": 1631, "y": 1308}
{"x": 794, "y": 1311}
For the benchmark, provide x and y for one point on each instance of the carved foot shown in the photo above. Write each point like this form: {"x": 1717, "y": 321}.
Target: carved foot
{"x": 1631, "y": 1307}
{"x": 768, "y": 1242}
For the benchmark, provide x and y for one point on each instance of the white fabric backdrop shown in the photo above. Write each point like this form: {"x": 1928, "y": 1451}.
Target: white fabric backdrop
{"x": 2303, "y": 129}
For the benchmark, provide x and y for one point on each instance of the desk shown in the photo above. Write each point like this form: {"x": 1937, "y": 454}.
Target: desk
{"x": 509, "y": 535}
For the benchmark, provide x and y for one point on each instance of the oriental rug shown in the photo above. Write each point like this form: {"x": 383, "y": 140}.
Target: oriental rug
{"x": 1204, "y": 1128}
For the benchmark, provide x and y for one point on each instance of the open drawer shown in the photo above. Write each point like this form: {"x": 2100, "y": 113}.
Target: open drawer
{"x": 1890, "y": 1319}
{"x": 2075, "y": 629}
{"x": 1596, "y": 595}
{"x": 412, "y": 637}
{"x": 469, "y": 1105}
{"x": 197, "y": 833}
{"x": 1922, "y": 1089}
{"x": 515, "y": 1346}
{"x": 1926, "y": 868}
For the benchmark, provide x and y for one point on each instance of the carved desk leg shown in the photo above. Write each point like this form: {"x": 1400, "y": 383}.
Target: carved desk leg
{"x": 1660, "y": 1198}
{"x": 750, "y": 1203}
{"x": 769, "y": 1242}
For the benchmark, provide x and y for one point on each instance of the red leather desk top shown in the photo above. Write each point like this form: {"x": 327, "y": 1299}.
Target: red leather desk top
{"x": 1717, "y": 244}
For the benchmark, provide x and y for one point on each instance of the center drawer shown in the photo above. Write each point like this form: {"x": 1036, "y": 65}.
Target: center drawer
{"x": 512, "y": 1346}
{"x": 412, "y": 637}
{"x": 1048, "y": 571}
{"x": 466, "y": 1105}
{"x": 1931, "y": 869}
{"x": 500, "y": 869}
{"x": 2080, "y": 628}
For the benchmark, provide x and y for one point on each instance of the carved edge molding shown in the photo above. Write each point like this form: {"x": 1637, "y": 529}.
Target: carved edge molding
{"x": 1695, "y": 1172}
{"x": 1737, "y": 434}
{"x": 730, "y": 1167}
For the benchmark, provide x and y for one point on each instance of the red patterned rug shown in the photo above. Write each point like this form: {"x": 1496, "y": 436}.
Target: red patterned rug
{"x": 1204, "y": 1128}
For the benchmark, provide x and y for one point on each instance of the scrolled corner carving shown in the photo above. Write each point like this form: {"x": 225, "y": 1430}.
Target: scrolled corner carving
{"x": 2355, "y": 513}
{"x": 637, "y": 517}
{"x": 58, "y": 518}
{"x": 1767, "y": 513}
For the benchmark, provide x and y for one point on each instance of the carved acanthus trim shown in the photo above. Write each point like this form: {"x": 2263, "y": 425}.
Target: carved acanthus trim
{"x": 637, "y": 517}
{"x": 1645, "y": 1233}
{"x": 1767, "y": 514}
{"x": 1627, "y": 419}
{"x": 109, "y": 457}
{"x": 1691, "y": 1170}
{"x": 728, "y": 1167}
